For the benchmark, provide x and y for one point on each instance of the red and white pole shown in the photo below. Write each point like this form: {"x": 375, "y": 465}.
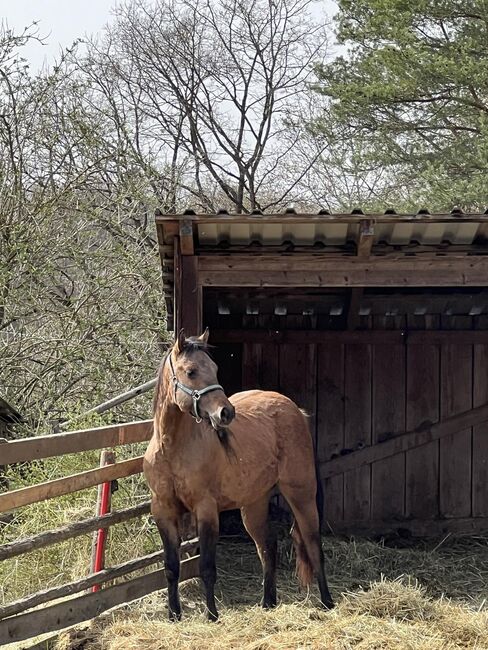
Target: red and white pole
{"x": 104, "y": 502}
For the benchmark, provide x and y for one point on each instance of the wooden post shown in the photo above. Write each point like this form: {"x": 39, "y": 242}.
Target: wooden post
{"x": 188, "y": 293}
{"x": 103, "y": 507}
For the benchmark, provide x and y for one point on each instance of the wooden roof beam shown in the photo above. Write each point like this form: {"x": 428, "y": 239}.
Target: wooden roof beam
{"x": 186, "y": 237}
{"x": 448, "y": 271}
{"x": 365, "y": 238}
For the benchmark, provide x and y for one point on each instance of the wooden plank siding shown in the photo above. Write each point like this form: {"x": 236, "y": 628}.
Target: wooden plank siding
{"x": 330, "y": 423}
{"x": 361, "y": 394}
{"x": 357, "y": 434}
{"x": 480, "y": 432}
{"x": 388, "y": 475}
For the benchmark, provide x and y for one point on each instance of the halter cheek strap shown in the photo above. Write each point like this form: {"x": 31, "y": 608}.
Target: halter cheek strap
{"x": 194, "y": 394}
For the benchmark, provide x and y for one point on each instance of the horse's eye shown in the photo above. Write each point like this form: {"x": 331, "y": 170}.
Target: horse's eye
{"x": 191, "y": 373}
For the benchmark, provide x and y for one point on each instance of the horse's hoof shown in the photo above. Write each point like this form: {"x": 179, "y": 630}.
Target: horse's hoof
{"x": 213, "y": 617}
{"x": 329, "y": 604}
{"x": 174, "y": 617}
{"x": 268, "y": 604}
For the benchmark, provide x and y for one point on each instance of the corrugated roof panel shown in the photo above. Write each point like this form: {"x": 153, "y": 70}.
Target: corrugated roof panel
{"x": 208, "y": 233}
{"x": 272, "y": 234}
{"x": 333, "y": 234}
{"x": 429, "y": 233}
{"x": 401, "y": 233}
{"x": 460, "y": 233}
{"x": 337, "y": 234}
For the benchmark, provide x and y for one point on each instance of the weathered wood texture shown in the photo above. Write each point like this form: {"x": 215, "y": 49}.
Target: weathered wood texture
{"x": 19, "y": 451}
{"x": 51, "y": 537}
{"x": 101, "y": 577}
{"x": 68, "y": 484}
{"x": 388, "y": 475}
{"x": 330, "y": 423}
{"x": 367, "y": 395}
{"x": 480, "y": 433}
{"x": 345, "y": 217}
{"x": 357, "y": 482}
{"x": 188, "y": 292}
{"x": 83, "y": 608}
{"x": 308, "y": 271}
{"x": 371, "y": 337}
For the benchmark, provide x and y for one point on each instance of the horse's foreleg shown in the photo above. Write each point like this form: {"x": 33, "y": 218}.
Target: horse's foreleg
{"x": 255, "y": 520}
{"x": 208, "y": 533}
{"x": 168, "y": 529}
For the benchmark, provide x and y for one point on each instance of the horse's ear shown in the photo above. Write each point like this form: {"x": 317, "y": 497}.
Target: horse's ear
{"x": 204, "y": 337}
{"x": 180, "y": 341}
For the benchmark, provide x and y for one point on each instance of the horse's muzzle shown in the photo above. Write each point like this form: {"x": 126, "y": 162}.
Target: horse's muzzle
{"x": 223, "y": 416}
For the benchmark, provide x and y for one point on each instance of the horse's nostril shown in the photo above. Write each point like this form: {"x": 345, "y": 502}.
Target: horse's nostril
{"x": 226, "y": 414}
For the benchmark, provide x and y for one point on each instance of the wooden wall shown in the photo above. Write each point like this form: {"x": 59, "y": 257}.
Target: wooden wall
{"x": 360, "y": 394}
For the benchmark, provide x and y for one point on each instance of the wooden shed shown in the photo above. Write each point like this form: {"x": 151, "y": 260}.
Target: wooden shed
{"x": 377, "y": 324}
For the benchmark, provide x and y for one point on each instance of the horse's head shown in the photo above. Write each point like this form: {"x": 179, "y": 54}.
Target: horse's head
{"x": 193, "y": 375}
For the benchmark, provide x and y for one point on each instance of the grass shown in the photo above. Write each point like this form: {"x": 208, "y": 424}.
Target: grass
{"x": 70, "y": 560}
{"x": 425, "y": 597}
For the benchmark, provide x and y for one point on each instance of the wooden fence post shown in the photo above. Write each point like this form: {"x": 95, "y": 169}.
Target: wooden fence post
{"x": 103, "y": 507}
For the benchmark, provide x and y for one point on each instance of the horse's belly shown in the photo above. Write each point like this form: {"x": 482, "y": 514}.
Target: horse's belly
{"x": 243, "y": 484}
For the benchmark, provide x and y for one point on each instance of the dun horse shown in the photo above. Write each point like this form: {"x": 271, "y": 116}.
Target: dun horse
{"x": 209, "y": 453}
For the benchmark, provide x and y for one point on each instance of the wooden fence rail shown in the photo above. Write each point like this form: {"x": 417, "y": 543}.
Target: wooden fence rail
{"x": 83, "y": 608}
{"x": 50, "y": 537}
{"x": 66, "y": 485}
{"x": 59, "y": 444}
{"x": 100, "y": 577}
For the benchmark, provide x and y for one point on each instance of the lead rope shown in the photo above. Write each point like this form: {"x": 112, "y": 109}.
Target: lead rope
{"x": 194, "y": 394}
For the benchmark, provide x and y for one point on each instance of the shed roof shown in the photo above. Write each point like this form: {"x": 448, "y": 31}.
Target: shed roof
{"x": 326, "y": 229}
{"x": 269, "y": 246}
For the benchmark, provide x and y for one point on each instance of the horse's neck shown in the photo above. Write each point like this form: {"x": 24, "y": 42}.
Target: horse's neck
{"x": 171, "y": 422}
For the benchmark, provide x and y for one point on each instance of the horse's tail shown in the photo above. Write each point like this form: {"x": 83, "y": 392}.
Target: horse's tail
{"x": 304, "y": 567}
{"x": 319, "y": 498}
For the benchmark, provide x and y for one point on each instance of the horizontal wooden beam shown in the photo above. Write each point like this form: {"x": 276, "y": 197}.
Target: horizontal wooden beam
{"x": 323, "y": 218}
{"x": 99, "y": 578}
{"x": 50, "y": 537}
{"x": 414, "y": 527}
{"x": 58, "y": 444}
{"x": 404, "y": 442}
{"x": 66, "y": 485}
{"x": 325, "y": 263}
{"x": 83, "y": 608}
{"x": 370, "y": 337}
{"x": 308, "y": 271}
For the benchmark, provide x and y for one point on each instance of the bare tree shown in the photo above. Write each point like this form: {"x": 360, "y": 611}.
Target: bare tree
{"x": 205, "y": 87}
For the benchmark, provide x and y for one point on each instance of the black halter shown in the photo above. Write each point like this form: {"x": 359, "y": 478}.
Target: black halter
{"x": 194, "y": 394}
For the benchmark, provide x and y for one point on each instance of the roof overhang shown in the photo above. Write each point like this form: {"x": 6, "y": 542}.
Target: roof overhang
{"x": 327, "y": 250}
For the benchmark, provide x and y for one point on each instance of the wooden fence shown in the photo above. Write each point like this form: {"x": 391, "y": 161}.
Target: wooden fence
{"x": 16, "y": 622}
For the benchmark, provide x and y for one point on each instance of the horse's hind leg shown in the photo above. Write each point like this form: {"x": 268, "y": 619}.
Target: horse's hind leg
{"x": 255, "y": 519}
{"x": 306, "y": 537}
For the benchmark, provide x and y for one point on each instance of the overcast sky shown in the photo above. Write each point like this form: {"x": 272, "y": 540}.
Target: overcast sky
{"x": 62, "y": 21}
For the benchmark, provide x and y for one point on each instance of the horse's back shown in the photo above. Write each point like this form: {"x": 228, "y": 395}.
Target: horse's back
{"x": 270, "y": 414}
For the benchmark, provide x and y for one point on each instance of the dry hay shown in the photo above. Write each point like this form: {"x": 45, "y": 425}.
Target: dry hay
{"x": 380, "y": 604}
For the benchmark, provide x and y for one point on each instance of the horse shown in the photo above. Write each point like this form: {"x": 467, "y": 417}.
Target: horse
{"x": 211, "y": 453}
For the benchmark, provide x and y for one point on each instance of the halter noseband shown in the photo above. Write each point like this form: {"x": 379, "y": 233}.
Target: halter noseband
{"x": 194, "y": 394}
